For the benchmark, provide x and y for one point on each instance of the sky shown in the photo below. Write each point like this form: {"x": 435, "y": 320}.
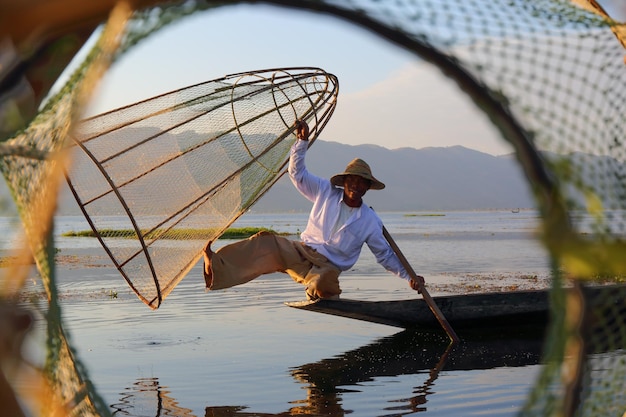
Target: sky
{"x": 387, "y": 96}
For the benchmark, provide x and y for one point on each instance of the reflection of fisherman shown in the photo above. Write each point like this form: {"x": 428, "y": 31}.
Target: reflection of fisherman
{"x": 338, "y": 226}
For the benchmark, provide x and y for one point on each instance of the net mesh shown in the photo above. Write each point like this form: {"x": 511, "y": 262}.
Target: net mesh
{"x": 178, "y": 169}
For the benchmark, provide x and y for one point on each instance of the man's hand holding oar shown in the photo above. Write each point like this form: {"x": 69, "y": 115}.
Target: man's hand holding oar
{"x": 417, "y": 283}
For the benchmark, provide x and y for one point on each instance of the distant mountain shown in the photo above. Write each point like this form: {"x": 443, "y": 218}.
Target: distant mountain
{"x": 453, "y": 178}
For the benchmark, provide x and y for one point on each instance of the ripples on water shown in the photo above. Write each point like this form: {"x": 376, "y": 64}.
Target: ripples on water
{"x": 241, "y": 352}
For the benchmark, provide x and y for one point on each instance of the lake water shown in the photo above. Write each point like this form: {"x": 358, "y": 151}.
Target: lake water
{"x": 242, "y": 352}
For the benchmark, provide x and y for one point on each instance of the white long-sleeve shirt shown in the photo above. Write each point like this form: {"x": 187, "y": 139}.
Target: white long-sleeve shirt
{"x": 342, "y": 246}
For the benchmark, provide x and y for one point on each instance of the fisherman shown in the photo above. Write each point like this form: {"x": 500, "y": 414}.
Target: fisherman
{"x": 338, "y": 226}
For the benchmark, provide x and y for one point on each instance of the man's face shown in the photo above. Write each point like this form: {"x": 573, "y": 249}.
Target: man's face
{"x": 354, "y": 188}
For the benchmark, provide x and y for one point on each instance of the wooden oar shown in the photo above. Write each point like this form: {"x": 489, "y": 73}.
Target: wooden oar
{"x": 429, "y": 300}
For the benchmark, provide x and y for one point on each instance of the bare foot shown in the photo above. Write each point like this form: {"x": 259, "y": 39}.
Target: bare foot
{"x": 311, "y": 296}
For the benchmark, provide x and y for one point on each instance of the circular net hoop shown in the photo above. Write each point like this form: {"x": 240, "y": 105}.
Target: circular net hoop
{"x": 550, "y": 74}
{"x": 175, "y": 171}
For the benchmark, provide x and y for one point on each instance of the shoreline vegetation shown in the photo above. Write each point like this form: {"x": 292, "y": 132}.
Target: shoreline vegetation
{"x": 230, "y": 233}
{"x": 192, "y": 234}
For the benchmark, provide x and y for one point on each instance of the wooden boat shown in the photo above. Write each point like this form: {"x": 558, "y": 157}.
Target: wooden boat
{"x": 463, "y": 312}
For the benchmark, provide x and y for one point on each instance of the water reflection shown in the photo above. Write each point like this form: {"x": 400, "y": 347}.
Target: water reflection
{"x": 327, "y": 376}
{"x": 326, "y": 381}
{"x": 147, "y": 398}
{"x": 411, "y": 353}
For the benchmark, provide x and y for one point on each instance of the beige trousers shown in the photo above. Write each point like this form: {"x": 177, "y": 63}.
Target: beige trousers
{"x": 265, "y": 253}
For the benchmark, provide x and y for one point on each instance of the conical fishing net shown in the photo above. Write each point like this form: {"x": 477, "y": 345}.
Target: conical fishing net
{"x": 174, "y": 171}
